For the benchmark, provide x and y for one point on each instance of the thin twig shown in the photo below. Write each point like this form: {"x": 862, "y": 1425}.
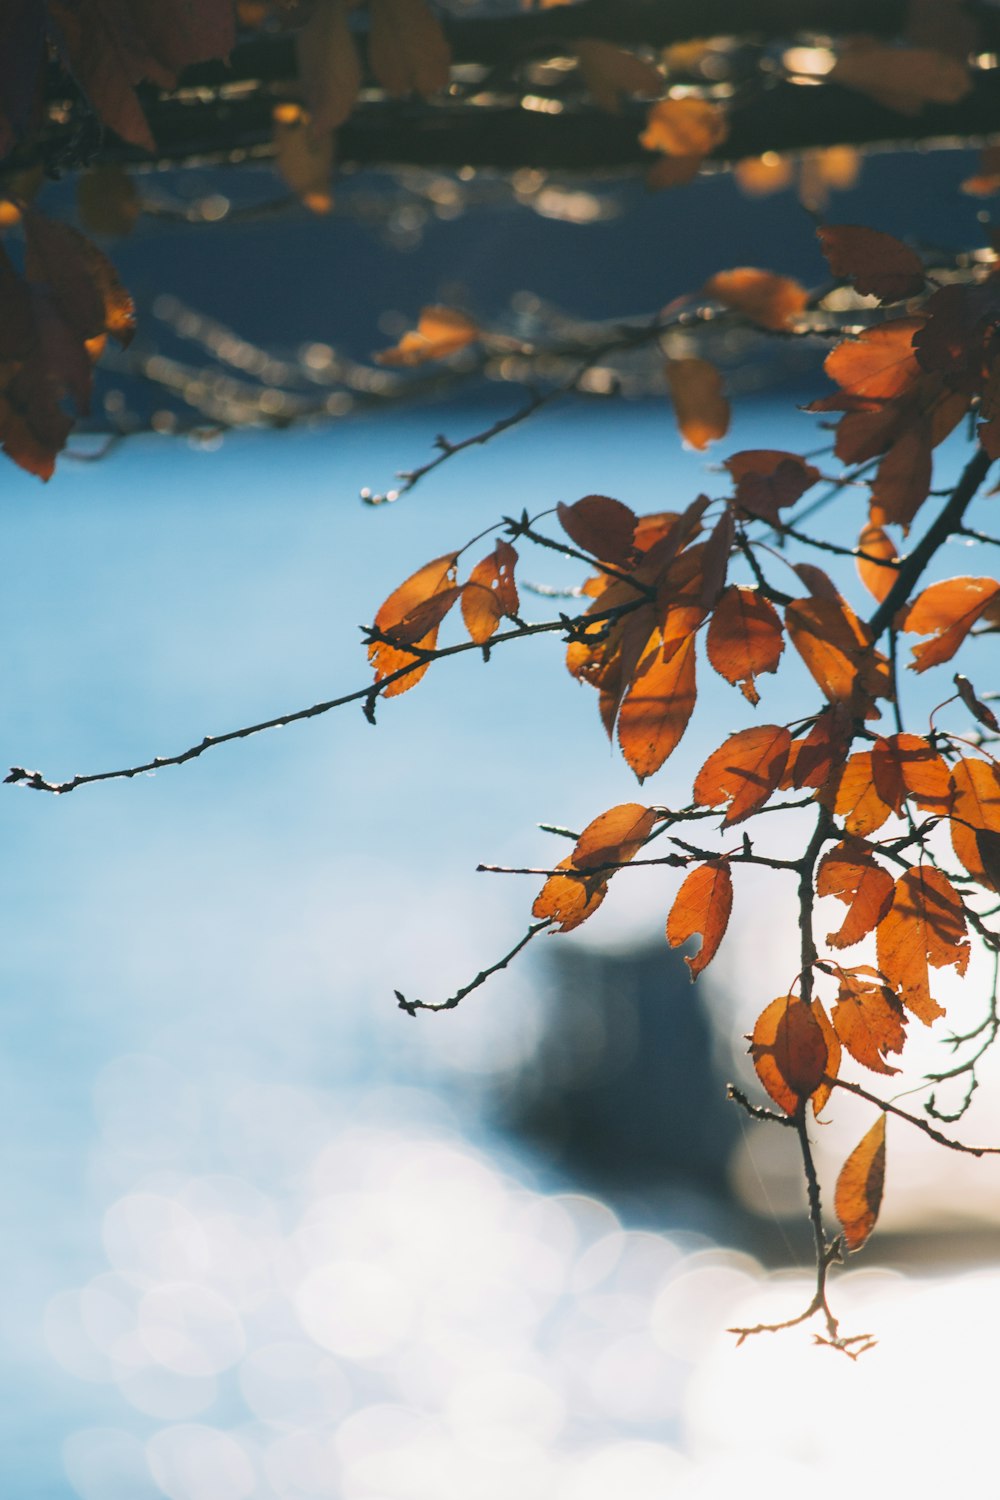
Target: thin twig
{"x": 412, "y": 1006}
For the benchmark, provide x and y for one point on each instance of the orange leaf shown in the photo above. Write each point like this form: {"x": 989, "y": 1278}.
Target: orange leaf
{"x": 926, "y": 926}
{"x": 876, "y": 543}
{"x": 903, "y": 480}
{"x": 766, "y": 299}
{"x": 855, "y": 797}
{"x": 656, "y": 710}
{"x": 850, "y": 873}
{"x": 688, "y": 128}
{"x": 836, "y": 647}
{"x": 701, "y": 408}
{"x": 601, "y": 526}
{"x": 976, "y": 807}
{"x": 947, "y": 612}
{"x": 880, "y": 364}
{"x": 568, "y": 900}
{"x": 397, "y": 615}
{"x": 811, "y": 760}
{"x": 441, "y": 331}
{"x": 744, "y": 771}
{"x": 615, "y": 837}
{"x": 490, "y": 593}
{"x": 858, "y": 1195}
{"x": 789, "y": 1051}
{"x": 304, "y": 157}
{"x": 767, "y": 479}
{"x": 868, "y": 1018}
{"x": 744, "y": 638}
{"x": 702, "y": 905}
{"x": 907, "y": 765}
{"x": 879, "y": 265}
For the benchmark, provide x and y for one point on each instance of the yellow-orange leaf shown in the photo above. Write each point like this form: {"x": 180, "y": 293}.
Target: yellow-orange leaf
{"x": 601, "y": 526}
{"x": 858, "y": 1195}
{"x": 700, "y": 405}
{"x": 925, "y": 927}
{"x": 836, "y": 647}
{"x": 976, "y": 807}
{"x": 903, "y": 480}
{"x": 850, "y": 873}
{"x": 879, "y": 265}
{"x": 880, "y": 364}
{"x": 688, "y": 128}
{"x": 744, "y": 638}
{"x": 789, "y": 1051}
{"x": 875, "y": 543}
{"x": 744, "y": 771}
{"x": 766, "y": 299}
{"x": 490, "y": 593}
{"x": 568, "y": 900}
{"x": 440, "y": 331}
{"x": 854, "y": 796}
{"x": 656, "y": 710}
{"x": 812, "y": 760}
{"x": 615, "y": 837}
{"x": 907, "y": 765}
{"x": 396, "y": 615}
{"x": 868, "y": 1018}
{"x": 947, "y": 612}
{"x": 702, "y": 905}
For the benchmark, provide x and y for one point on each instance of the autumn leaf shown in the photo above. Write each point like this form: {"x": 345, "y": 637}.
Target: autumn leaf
{"x": 303, "y": 157}
{"x": 879, "y": 265}
{"x": 407, "y": 48}
{"x": 744, "y": 771}
{"x": 684, "y": 131}
{"x": 766, "y": 299}
{"x": 440, "y": 332}
{"x": 610, "y": 71}
{"x": 812, "y": 760}
{"x": 836, "y": 647}
{"x": 601, "y": 526}
{"x": 789, "y": 1051}
{"x": 430, "y": 586}
{"x": 744, "y": 638}
{"x": 656, "y": 709}
{"x": 868, "y": 1018}
{"x": 329, "y": 68}
{"x": 903, "y": 480}
{"x": 700, "y": 406}
{"x": 979, "y": 710}
{"x": 849, "y": 872}
{"x": 880, "y": 364}
{"x": 568, "y": 900}
{"x": 79, "y": 278}
{"x": 490, "y": 593}
{"x": 615, "y": 837}
{"x": 768, "y": 480}
{"x": 976, "y": 808}
{"x": 853, "y": 796}
{"x": 874, "y": 542}
{"x": 901, "y": 78}
{"x": 702, "y": 906}
{"x": 925, "y": 928}
{"x": 907, "y": 765}
{"x": 946, "y": 612}
{"x": 858, "y": 1195}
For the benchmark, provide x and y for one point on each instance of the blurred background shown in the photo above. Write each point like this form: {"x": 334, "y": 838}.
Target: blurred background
{"x": 264, "y": 1235}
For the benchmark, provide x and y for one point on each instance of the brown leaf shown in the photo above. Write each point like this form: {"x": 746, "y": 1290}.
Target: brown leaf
{"x": 858, "y": 1195}
{"x": 441, "y": 331}
{"x": 868, "y": 1018}
{"x": 79, "y": 278}
{"x": 702, "y": 905}
{"x": 568, "y": 900}
{"x": 304, "y": 159}
{"x": 685, "y": 130}
{"x": 610, "y": 71}
{"x": 901, "y": 78}
{"x": 853, "y": 796}
{"x": 700, "y": 405}
{"x": 744, "y": 638}
{"x": 925, "y": 927}
{"x": 715, "y": 562}
{"x": 879, "y": 265}
{"x": 789, "y": 1051}
{"x": 601, "y": 526}
{"x": 907, "y": 765}
{"x": 976, "y": 807}
{"x": 849, "y": 872}
{"x": 329, "y": 68}
{"x": 744, "y": 771}
{"x": 107, "y": 200}
{"x": 615, "y": 837}
{"x": 836, "y": 647}
{"x": 407, "y": 48}
{"x": 766, "y": 299}
{"x": 656, "y": 709}
{"x": 876, "y": 543}
{"x": 980, "y": 712}
{"x": 397, "y": 614}
{"x": 490, "y": 593}
{"x": 903, "y": 480}
{"x": 811, "y": 760}
{"x": 880, "y": 364}
{"x": 767, "y": 480}
{"x": 946, "y": 612}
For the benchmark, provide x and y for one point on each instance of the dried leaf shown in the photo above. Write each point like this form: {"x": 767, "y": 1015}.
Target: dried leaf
{"x": 811, "y": 760}
{"x": 869, "y": 1019}
{"x": 907, "y": 765}
{"x": 745, "y": 638}
{"x": 946, "y": 612}
{"x": 568, "y": 900}
{"x": 976, "y": 808}
{"x": 980, "y": 712}
{"x": 744, "y": 771}
{"x": 79, "y": 278}
{"x": 701, "y": 408}
{"x": 876, "y": 543}
{"x": 490, "y": 593}
{"x": 766, "y": 299}
{"x": 854, "y": 796}
{"x": 767, "y": 480}
{"x": 702, "y": 906}
{"x": 903, "y": 481}
{"x": 615, "y": 837}
{"x": 836, "y": 647}
{"x": 656, "y": 709}
{"x": 925, "y": 927}
{"x": 901, "y": 78}
{"x": 610, "y": 71}
{"x": 849, "y": 872}
{"x": 329, "y": 68}
{"x": 407, "y": 48}
{"x": 601, "y": 526}
{"x": 858, "y": 1195}
{"x": 397, "y": 615}
{"x": 880, "y": 364}
{"x": 789, "y": 1051}
{"x": 440, "y": 332}
{"x": 879, "y": 265}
